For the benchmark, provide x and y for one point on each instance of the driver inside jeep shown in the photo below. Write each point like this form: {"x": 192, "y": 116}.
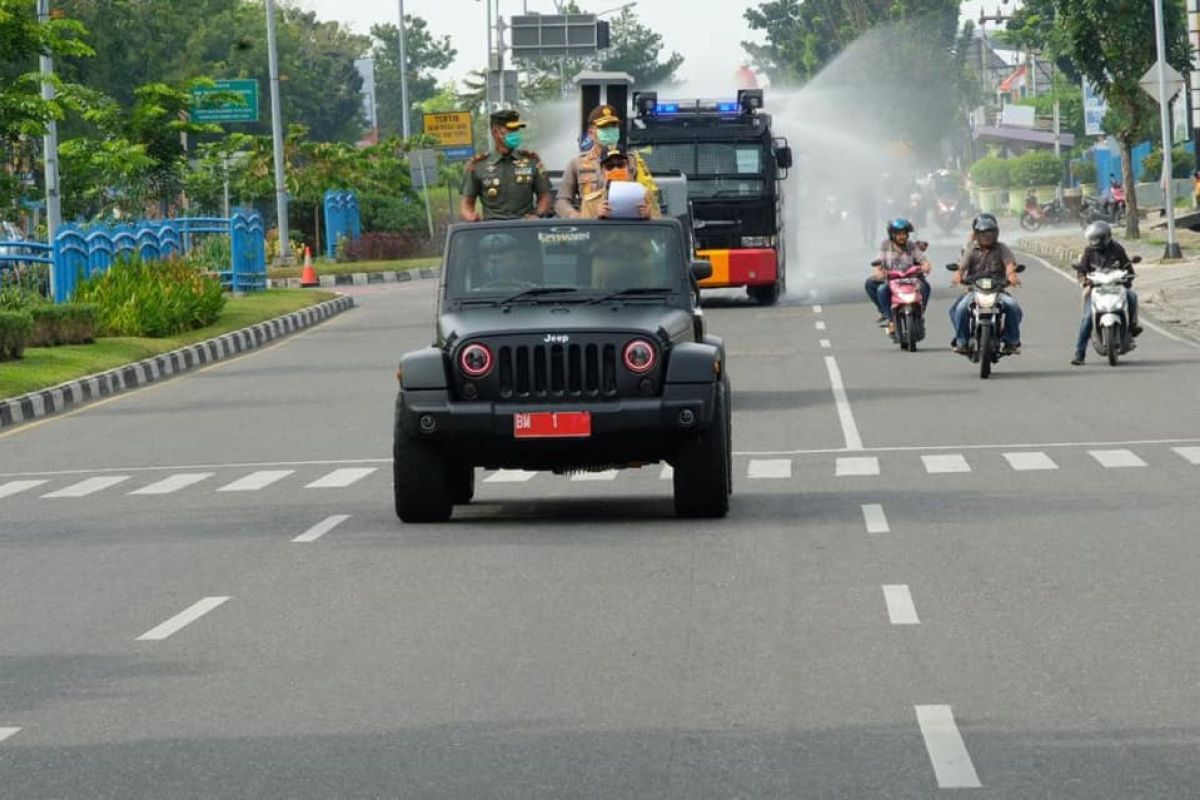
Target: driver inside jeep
{"x": 501, "y": 263}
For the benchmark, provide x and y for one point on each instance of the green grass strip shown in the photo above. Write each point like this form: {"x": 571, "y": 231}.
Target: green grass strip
{"x": 349, "y": 267}
{"x": 44, "y": 367}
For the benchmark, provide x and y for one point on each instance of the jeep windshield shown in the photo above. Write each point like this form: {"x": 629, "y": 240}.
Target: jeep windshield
{"x": 713, "y": 169}
{"x": 560, "y": 262}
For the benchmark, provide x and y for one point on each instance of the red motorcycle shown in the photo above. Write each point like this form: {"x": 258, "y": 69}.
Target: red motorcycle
{"x": 1038, "y": 214}
{"x": 908, "y": 305}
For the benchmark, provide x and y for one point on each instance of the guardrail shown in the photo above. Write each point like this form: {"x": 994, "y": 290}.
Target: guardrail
{"x": 78, "y": 252}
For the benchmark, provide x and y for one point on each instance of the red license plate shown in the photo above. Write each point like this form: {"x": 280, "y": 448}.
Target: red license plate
{"x": 553, "y": 425}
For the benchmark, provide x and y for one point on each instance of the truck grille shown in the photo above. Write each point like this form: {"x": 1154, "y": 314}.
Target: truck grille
{"x": 557, "y": 370}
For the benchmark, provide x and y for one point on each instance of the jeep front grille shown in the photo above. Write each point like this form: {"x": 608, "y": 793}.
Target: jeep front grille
{"x": 558, "y": 370}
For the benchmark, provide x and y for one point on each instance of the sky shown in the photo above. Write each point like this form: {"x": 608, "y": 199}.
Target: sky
{"x": 707, "y": 33}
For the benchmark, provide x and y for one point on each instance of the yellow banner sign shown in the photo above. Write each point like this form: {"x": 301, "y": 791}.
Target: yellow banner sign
{"x": 452, "y": 129}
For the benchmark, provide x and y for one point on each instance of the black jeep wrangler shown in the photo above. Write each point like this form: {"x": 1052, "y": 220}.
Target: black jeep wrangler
{"x": 564, "y": 345}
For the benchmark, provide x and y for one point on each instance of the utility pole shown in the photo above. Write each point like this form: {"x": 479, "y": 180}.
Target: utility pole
{"x": 1193, "y": 15}
{"x": 281, "y": 199}
{"x": 1164, "y": 102}
{"x": 50, "y": 145}
{"x": 404, "y": 78}
{"x": 500, "y": 51}
{"x": 487, "y": 69}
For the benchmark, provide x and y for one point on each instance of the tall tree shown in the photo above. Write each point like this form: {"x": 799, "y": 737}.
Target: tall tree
{"x": 425, "y": 54}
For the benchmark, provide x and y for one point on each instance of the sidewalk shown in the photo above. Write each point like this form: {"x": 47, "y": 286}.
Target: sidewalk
{"x": 1169, "y": 293}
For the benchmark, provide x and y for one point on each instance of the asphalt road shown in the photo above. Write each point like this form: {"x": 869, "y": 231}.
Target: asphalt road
{"x": 940, "y": 584}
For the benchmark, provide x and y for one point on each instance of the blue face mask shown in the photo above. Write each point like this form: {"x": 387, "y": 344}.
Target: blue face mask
{"x": 512, "y": 140}
{"x": 608, "y": 136}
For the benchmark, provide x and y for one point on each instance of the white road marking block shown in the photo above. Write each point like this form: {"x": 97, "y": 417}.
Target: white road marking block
{"x": 182, "y": 619}
{"x": 667, "y": 473}
{"x": 817, "y": 309}
{"x": 826, "y": 344}
{"x": 604, "y": 475}
{"x": 16, "y": 487}
{"x": 509, "y": 476}
{"x": 857, "y": 466}
{"x": 256, "y": 480}
{"x": 341, "y": 478}
{"x": 954, "y": 462}
{"x": 1192, "y": 454}
{"x": 820, "y": 325}
{"x": 1116, "y": 459}
{"x": 845, "y": 415}
{"x": 5, "y": 733}
{"x": 88, "y": 486}
{"x": 174, "y": 483}
{"x": 321, "y": 528}
{"x": 771, "y": 468}
{"x": 947, "y": 751}
{"x": 1026, "y": 462}
{"x": 900, "y": 607}
{"x": 876, "y": 520}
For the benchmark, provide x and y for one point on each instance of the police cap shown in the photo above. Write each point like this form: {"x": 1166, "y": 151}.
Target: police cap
{"x": 603, "y": 116}
{"x": 507, "y": 118}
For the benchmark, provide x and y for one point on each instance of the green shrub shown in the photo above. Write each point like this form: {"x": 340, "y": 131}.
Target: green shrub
{"x": 15, "y": 327}
{"x": 1084, "y": 171}
{"x": 152, "y": 298}
{"x": 1035, "y": 168}
{"x": 1182, "y": 164}
{"x": 990, "y": 172}
{"x": 68, "y": 323}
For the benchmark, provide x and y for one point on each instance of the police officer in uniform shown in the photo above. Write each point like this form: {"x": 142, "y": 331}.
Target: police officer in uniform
{"x": 510, "y": 183}
{"x": 584, "y": 180}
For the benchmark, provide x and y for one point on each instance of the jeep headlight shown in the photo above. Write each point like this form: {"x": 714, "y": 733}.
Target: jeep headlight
{"x": 756, "y": 241}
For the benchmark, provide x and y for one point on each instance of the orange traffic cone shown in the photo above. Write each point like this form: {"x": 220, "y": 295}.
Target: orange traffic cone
{"x": 308, "y": 275}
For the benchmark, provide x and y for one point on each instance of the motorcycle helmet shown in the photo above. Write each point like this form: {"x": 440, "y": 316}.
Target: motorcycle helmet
{"x": 1098, "y": 234}
{"x": 985, "y": 222}
{"x": 897, "y": 226}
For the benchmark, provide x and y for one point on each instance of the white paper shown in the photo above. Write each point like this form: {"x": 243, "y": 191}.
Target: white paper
{"x": 624, "y": 197}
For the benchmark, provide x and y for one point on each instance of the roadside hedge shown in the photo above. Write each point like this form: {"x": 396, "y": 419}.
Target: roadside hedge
{"x": 15, "y": 327}
{"x": 68, "y": 323}
{"x": 152, "y": 298}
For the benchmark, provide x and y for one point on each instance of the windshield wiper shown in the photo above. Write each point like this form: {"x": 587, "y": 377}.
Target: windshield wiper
{"x": 539, "y": 292}
{"x": 637, "y": 290}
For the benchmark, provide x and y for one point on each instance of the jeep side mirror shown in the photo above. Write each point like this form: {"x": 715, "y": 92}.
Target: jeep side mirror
{"x": 783, "y": 158}
{"x": 701, "y": 269}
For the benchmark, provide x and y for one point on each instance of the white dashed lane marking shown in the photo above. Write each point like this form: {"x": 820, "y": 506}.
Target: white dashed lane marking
{"x": 947, "y": 751}
{"x": 875, "y": 519}
{"x": 771, "y": 469}
{"x": 6, "y": 733}
{"x": 1192, "y": 454}
{"x": 174, "y": 483}
{"x": 900, "y": 607}
{"x": 341, "y": 478}
{"x": 509, "y": 476}
{"x": 602, "y": 476}
{"x": 16, "y": 487}
{"x": 817, "y": 309}
{"x": 936, "y": 465}
{"x": 88, "y": 486}
{"x": 826, "y": 344}
{"x": 321, "y": 528}
{"x": 257, "y": 480}
{"x": 182, "y": 619}
{"x": 1026, "y": 462}
{"x": 1117, "y": 459}
{"x": 820, "y": 325}
{"x": 856, "y": 466}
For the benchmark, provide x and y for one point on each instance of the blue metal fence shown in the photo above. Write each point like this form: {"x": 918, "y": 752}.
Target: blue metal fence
{"x": 78, "y": 252}
{"x": 341, "y": 219}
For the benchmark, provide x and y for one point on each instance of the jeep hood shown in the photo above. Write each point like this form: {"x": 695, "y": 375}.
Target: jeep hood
{"x": 529, "y": 318}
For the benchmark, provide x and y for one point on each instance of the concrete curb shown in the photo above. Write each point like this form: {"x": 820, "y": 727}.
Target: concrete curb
{"x": 1062, "y": 256}
{"x": 362, "y": 278}
{"x": 66, "y": 396}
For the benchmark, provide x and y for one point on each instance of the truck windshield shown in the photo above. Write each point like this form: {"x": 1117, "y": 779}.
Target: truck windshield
{"x": 574, "y": 262}
{"x": 713, "y": 169}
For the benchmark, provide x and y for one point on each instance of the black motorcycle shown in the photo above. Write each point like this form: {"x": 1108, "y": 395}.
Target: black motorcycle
{"x": 987, "y": 320}
{"x": 1093, "y": 209}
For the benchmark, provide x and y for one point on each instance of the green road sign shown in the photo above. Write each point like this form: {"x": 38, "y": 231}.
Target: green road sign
{"x": 204, "y": 109}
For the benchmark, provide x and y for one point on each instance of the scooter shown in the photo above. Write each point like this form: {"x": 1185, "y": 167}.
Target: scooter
{"x": 908, "y": 307}
{"x": 987, "y": 321}
{"x": 1093, "y": 209}
{"x": 947, "y": 215}
{"x": 1111, "y": 329}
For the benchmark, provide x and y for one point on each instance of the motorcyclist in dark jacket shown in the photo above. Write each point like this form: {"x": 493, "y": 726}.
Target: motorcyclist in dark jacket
{"x": 1102, "y": 252}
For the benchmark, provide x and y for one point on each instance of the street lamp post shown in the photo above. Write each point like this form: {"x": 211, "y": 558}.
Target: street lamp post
{"x": 50, "y": 145}
{"x": 281, "y": 200}
{"x": 1164, "y": 102}
{"x": 403, "y": 78}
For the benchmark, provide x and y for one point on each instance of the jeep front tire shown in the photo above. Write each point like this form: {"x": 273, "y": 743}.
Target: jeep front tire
{"x": 702, "y": 467}
{"x": 420, "y": 481}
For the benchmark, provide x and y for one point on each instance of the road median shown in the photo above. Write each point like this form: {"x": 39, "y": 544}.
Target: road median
{"x": 74, "y": 393}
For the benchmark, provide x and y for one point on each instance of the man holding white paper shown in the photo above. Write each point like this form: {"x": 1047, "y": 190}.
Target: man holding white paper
{"x": 618, "y": 196}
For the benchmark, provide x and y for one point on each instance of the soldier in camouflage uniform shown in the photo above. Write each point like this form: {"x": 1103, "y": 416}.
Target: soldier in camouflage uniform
{"x": 509, "y": 183}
